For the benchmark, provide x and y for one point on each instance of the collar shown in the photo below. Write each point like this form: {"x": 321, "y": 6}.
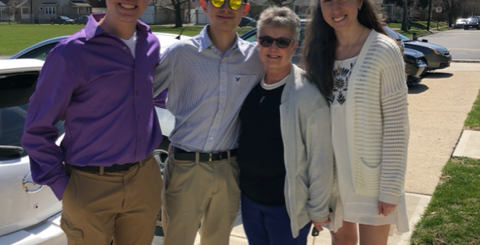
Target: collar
{"x": 92, "y": 29}
{"x": 206, "y": 42}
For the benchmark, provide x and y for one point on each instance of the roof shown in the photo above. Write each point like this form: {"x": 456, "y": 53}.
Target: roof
{"x": 80, "y": 4}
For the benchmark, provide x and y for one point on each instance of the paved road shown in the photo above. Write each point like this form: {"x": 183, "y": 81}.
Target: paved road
{"x": 463, "y": 44}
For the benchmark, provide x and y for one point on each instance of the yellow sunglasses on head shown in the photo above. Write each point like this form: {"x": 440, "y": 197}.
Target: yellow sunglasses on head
{"x": 234, "y": 4}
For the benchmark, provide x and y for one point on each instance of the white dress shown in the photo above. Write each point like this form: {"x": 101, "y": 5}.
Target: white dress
{"x": 353, "y": 207}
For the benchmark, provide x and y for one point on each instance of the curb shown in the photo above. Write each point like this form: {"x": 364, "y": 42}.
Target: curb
{"x": 466, "y": 61}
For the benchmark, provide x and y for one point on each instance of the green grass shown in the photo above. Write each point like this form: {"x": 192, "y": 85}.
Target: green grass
{"x": 420, "y": 27}
{"x": 16, "y": 37}
{"x": 473, "y": 119}
{"x": 453, "y": 217}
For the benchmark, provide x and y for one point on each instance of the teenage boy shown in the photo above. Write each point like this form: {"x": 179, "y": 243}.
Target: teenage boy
{"x": 99, "y": 80}
{"x": 208, "y": 78}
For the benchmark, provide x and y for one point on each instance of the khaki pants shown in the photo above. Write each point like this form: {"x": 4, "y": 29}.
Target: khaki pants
{"x": 200, "y": 192}
{"x": 120, "y": 205}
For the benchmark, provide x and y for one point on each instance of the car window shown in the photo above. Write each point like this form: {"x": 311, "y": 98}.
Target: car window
{"x": 40, "y": 52}
{"x": 12, "y": 120}
{"x": 15, "y": 91}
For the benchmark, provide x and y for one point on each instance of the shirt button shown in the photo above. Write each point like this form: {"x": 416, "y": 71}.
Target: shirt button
{"x": 136, "y": 92}
{"x": 139, "y": 140}
{"x": 124, "y": 47}
{"x": 138, "y": 116}
{"x": 211, "y": 138}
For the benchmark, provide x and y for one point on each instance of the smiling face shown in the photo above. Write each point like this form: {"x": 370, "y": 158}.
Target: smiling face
{"x": 341, "y": 15}
{"x": 224, "y": 18}
{"x": 274, "y": 58}
{"x": 125, "y": 11}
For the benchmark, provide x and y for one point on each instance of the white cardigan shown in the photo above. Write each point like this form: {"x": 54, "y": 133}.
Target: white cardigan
{"x": 377, "y": 120}
{"x": 307, "y": 140}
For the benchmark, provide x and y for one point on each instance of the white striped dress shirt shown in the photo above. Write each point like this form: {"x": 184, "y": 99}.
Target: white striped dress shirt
{"x": 206, "y": 90}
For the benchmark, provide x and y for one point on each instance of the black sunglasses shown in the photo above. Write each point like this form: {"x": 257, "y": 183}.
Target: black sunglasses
{"x": 267, "y": 41}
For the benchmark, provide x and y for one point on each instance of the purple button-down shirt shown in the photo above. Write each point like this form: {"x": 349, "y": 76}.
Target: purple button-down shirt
{"x": 106, "y": 95}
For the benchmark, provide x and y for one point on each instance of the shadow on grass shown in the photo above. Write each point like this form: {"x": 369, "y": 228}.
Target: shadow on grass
{"x": 417, "y": 89}
{"x": 436, "y": 75}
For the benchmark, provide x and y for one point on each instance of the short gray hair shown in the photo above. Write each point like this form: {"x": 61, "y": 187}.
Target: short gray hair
{"x": 280, "y": 17}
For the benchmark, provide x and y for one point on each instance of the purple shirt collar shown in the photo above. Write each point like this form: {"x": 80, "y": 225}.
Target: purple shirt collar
{"x": 93, "y": 29}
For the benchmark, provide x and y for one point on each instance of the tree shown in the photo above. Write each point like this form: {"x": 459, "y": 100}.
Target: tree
{"x": 451, "y": 8}
{"x": 281, "y": 3}
{"x": 405, "y": 16}
{"x": 176, "y": 7}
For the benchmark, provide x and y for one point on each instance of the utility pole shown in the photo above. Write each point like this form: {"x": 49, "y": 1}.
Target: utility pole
{"x": 429, "y": 13}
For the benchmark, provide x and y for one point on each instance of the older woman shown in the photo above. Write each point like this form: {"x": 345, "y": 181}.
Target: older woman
{"x": 285, "y": 152}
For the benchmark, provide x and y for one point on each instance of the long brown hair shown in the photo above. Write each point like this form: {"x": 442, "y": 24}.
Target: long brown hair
{"x": 318, "y": 51}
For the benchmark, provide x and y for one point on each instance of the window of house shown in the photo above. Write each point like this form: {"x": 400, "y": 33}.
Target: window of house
{"x": 50, "y": 10}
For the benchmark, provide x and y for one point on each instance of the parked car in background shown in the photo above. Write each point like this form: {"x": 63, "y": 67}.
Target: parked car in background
{"x": 82, "y": 19}
{"x": 472, "y": 22}
{"x": 60, "y": 19}
{"x": 436, "y": 56}
{"x": 30, "y": 213}
{"x": 414, "y": 60}
{"x": 247, "y": 21}
{"x": 460, "y": 23}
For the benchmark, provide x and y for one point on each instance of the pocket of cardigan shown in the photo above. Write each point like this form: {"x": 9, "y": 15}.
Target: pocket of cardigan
{"x": 370, "y": 175}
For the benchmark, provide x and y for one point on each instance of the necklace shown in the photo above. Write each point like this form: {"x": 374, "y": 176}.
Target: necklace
{"x": 350, "y": 50}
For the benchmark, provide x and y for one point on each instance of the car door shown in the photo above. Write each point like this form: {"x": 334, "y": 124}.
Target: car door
{"x": 23, "y": 203}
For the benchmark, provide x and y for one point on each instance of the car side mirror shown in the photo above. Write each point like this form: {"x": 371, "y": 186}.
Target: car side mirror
{"x": 425, "y": 40}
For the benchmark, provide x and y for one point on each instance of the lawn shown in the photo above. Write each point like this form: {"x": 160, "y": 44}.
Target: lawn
{"x": 16, "y": 37}
{"x": 473, "y": 119}
{"x": 453, "y": 217}
{"x": 419, "y": 27}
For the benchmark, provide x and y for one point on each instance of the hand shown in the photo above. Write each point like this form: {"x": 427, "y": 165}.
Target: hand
{"x": 318, "y": 225}
{"x": 385, "y": 208}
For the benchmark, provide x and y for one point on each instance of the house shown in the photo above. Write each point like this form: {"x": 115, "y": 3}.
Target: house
{"x": 40, "y": 11}
{"x": 3, "y": 12}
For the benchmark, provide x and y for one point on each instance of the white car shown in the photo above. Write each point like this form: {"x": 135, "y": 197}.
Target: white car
{"x": 30, "y": 213}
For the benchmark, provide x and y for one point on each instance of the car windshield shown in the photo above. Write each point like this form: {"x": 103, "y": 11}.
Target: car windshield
{"x": 64, "y": 17}
{"x": 12, "y": 120}
{"x": 391, "y": 33}
{"x": 404, "y": 38}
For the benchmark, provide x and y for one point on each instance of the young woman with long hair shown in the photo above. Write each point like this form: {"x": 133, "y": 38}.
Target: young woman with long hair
{"x": 361, "y": 72}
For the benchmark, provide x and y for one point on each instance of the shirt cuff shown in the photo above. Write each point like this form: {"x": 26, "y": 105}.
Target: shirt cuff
{"x": 389, "y": 198}
{"x": 318, "y": 218}
{"x": 59, "y": 186}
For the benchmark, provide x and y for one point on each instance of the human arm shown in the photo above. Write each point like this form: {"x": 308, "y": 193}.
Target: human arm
{"x": 47, "y": 105}
{"x": 164, "y": 73}
{"x": 394, "y": 106}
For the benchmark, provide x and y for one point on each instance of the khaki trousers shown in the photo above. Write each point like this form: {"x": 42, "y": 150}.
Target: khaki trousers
{"x": 122, "y": 206}
{"x": 200, "y": 192}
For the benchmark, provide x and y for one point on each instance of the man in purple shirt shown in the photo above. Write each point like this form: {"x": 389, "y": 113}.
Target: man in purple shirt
{"x": 99, "y": 80}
